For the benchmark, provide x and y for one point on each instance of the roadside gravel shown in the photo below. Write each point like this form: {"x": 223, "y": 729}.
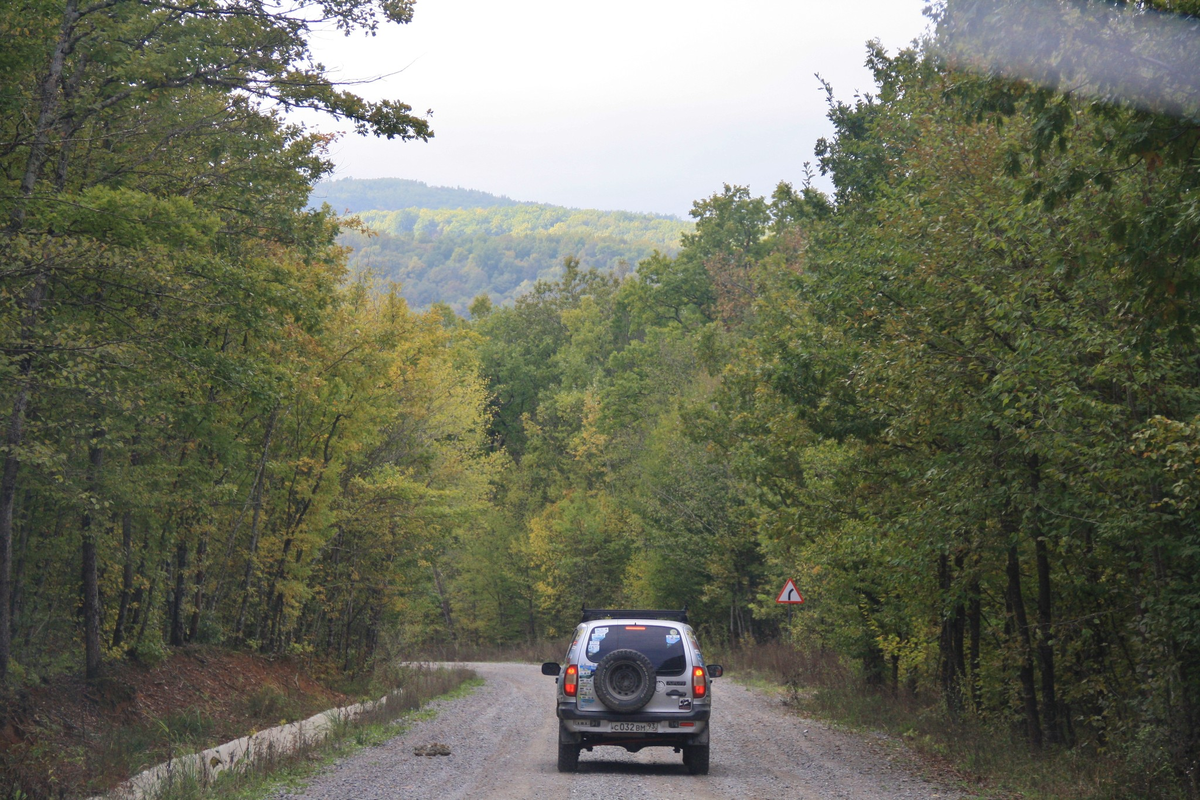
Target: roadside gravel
{"x": 502, "y": 740}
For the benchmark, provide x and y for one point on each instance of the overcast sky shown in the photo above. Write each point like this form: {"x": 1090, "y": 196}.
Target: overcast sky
{"x": 641, "y": 105}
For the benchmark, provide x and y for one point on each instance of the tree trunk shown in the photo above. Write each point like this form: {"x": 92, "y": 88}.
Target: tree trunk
{"x": 48, "y": 101}
{"x": 178, "y": 632}
{"x": 240, "y": 626}
{"x": 218, "y": 595}
{"x": 91, "y": 582}
{"x": 268, "y": 617}
{"x": 198, "y": 598}
{"x": 127, "y": 571}
{"x": 974, "y": 627}
{"x": 950, "y": 642}
{"x": 446, "y": 615}
{"x": 126, "y": 578}
{"x": 91, "y": 609}
{"x": 1045, "y": 646}
{"x": 1045, "y": 643}
{"x": 140, "y": 602}
{"x": 298, "y": 509}
{"x": 1016, "y": 604}
{"x": 145, "y": 608}
{"x": 14, "y": 437}
{"x": 8, "y": 492}
{"x": 19, "y": 576}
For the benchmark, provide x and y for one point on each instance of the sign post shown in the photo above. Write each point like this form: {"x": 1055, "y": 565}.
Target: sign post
{"x": 790, "y": 596}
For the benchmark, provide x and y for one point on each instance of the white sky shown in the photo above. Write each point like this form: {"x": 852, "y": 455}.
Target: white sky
{"x": 640, "y": 105}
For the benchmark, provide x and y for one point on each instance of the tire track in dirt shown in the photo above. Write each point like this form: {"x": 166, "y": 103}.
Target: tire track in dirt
{"x": 503, "y": 741}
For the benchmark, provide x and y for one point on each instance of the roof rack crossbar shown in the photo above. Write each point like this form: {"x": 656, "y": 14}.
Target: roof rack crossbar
{"x": 590, "y": 614}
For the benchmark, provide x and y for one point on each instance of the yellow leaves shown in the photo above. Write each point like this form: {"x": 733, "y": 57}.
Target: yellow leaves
{"x": 589, "y": 444}
{"x": 581, "y": 547}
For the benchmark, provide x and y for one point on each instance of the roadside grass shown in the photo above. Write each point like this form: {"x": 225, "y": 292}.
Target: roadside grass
{"x": 130, "y": 749}
{"x": 65, "y": 737}
{"x": 271, "y": 772}
{"x": 117, "y": 751}
{"x": 981, "y": 758}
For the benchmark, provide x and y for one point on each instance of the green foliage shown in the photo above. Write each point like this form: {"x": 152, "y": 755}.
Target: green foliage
{"x": 613, "y": 495}
{"x": 581, "y": 548}
{"x": 965, "y": 405}
{"x": 958, "y": 401}
{"x": 449, "y": 253}
{"x": 225, "y": 439}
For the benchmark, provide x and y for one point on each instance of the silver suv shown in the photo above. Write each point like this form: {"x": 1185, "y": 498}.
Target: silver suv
{"x": 634, "y": 679}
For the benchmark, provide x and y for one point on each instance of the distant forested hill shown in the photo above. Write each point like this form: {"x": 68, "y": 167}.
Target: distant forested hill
{"x": 446, "y": 251}
{"x": 392, "y": 194}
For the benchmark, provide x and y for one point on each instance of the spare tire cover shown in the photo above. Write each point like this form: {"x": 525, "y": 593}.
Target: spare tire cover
{"x": 625, "y": 680}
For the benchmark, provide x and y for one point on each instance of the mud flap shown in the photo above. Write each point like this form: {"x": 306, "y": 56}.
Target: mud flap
{"x": 566, "y": 736}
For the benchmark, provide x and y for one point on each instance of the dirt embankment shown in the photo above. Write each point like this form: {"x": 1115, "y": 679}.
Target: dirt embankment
{"x": 67, "y": 738}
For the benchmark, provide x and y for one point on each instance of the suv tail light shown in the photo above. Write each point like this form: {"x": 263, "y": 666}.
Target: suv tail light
{"x": 571, "y": 681}
{"x": 699, "y": 682}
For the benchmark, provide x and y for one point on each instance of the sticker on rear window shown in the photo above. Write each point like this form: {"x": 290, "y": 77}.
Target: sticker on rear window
{"x": 599, "y": 633}
{"x": 673, "y": 636}
{"x": 593, "y": 647}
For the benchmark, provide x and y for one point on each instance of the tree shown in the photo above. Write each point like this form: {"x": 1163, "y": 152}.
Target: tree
{"x": 141, "y": 177}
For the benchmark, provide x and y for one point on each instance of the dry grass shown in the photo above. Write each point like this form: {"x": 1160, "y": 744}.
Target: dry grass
{"x": 71, "y": 738}
{"x": 983, "y": 757}
{"x": 120, "y": 751}
{"x": 414, "y": 686}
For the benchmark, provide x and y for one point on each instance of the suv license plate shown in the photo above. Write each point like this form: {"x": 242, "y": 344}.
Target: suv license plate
{"x": 634, "y": 727}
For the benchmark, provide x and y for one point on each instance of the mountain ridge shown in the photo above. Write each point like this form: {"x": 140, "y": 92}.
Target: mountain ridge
{"x": 451, "y": 245}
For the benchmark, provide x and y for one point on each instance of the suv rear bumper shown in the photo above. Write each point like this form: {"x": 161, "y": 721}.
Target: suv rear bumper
{"x": 567, "y": 711}
{"x": 696, "y": 734}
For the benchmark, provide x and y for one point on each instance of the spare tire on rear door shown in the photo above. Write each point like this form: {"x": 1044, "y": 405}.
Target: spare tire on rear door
{"x": 625, "y": 680}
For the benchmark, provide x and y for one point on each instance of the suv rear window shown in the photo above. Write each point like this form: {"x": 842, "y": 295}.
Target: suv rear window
{"x": 663, "y": 645}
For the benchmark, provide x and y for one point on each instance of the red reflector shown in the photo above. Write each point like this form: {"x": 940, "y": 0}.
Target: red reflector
{"x": 699, "y": 682}
{"x": 571, "y": 681}
{"x": 635, "y": 627}
{"x": 687, "y": 724}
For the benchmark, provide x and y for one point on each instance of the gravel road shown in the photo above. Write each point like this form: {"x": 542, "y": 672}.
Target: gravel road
{"x": 503, "y": 738}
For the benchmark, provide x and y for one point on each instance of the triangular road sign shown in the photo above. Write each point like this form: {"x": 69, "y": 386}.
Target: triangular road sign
{"x": 789, "y": 594}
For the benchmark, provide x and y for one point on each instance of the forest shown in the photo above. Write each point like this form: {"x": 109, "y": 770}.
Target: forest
{"x": 352, "y": 195}
{"x": 448, "y": 250}
{"x": 957, "y": 399}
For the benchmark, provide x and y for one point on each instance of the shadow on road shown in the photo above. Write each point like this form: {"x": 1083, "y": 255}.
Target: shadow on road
{"x": 630, "y": 768}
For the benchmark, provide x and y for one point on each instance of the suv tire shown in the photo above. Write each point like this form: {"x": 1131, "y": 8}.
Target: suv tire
{"x": 568, "y": 757}
{"x": 695, "y": 758}
{"x": 625, "y": 680}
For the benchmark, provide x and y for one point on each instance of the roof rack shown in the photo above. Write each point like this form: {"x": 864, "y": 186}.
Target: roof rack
{"x": 590, "y": 614}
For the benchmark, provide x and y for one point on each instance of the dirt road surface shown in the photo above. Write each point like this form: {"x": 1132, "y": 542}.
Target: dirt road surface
{"x": 503, "y": 743}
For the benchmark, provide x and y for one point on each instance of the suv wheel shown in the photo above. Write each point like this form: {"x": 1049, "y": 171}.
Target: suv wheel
{"x": 568, "y": 757}
{"x": 625, "y": 680}
{"x": 695, "y": 758}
